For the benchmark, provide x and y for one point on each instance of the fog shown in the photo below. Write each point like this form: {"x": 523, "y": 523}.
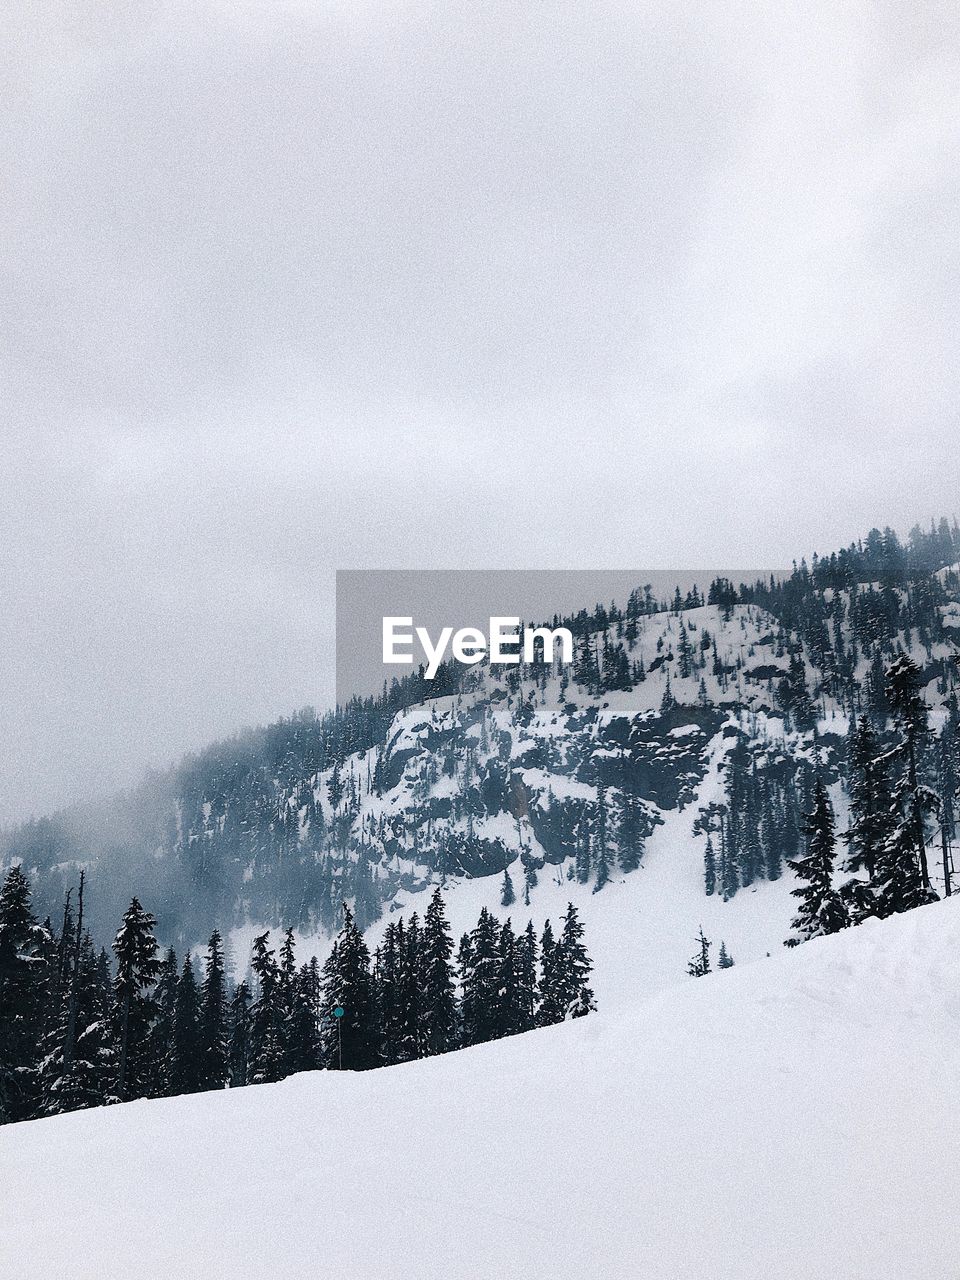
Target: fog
{"x": 293, "y": 287}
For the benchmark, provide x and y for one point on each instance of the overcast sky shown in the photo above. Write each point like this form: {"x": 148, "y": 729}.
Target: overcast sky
{"x": 287, "y": 287}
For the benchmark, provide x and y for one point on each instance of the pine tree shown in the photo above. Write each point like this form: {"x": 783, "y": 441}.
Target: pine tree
{"x": 213, "y": 1017}
{"x": 410, "y": 987}
{"x": 268, "y": 1050}
{"x": 822, "y": 909}
{"x": 387, "y": 980}
{"x": 573, "y": 967}
{"x": 709, "y": 868}
{"x": 507, "y": 895}
{"x": 630, "y": 831}
{"x": 349, "y": 1042}
{"x": 135, "y": 948}
{"x": 527, "y": 977}
{"x": 186, "y": 1061}
{"x": 729, "y": 877}
{"x": 303, "y": 1029}
{"x": 601, "y": 850}
{"x": 160, "y": 1037}
{"x": 508, "y": 1012}
{"x": 869, "y": 820}
{"x": 699, "y": 965}
{"x": 550, "y": 997}
{"x": 80, "y": 1063}
{"x": 26, "y": 949}
{"x": 464, "y": 961}
{"x": 481, "y": 982}
{"x": 726, "y": 959}
{"x": 439, "y": 992}
{"x": 240, "y": 1036}
{"x": 902, "y": 877}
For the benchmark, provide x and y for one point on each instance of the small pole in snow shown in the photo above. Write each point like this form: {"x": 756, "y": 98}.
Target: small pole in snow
{"x": 338, "y": 1014}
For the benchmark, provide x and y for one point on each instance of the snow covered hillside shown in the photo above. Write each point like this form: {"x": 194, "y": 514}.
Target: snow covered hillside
{"x": 793, "y": 1118}
{"x": 677, "y": 721}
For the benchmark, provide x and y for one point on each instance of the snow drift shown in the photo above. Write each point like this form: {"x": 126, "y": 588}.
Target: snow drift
{"x": 791, "y": 1118}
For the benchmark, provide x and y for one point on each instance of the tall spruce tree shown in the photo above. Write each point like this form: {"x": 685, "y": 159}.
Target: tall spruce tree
{"x": 550, "y": 1007}
{"x": 509, "y": 1012}
{"x": 135, "y": 948}
{"x": 160, "y": 1045}
{"x": 268, "y": 1050}
{"x": 240, "y": 1036}
{"x": 26, "y": 952}
{"x": 409, "y": 1046}
{"x": 527, "y": 977}
{"x": 902, "y": 876}
{"x": 186, "y": 1059}
{"x": 439, "y": 991}
{"x": 481, "y": 982}
{"x": 822, "y": 909}
{"x": 213, "y": 1017}
{"x": 630, "y": 830}
{"x": 387, "y": 984}
{"x": 80, "y": 1069}
{"x": 869, "y": 820}
{"x": 349, "y": 1042}
{"x": 573, "y": 968}
{"x": 303, "y": 1032}
{"x": 709, "y": 868}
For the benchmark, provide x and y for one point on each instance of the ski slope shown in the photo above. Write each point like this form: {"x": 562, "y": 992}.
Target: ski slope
{"x": 792, "y": 1118}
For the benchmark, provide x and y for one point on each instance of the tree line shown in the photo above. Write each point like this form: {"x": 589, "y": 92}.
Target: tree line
{"x": 903, "y": 788}
{"x": 79, "y": 1029}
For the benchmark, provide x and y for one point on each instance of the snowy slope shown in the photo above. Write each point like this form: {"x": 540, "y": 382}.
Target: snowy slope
{"x": 793, "y": 1118}
{"x": 640, "y": 930}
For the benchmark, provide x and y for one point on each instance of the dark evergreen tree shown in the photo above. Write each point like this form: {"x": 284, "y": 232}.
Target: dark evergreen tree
{"x": 549, "y": 1003}
{"x": 135, "y": 948}
{"x": 902, "y": 877}
{"x": 699, "y": 965}
{"x": 480, "y": 982}
{"x": 26, "y": 953}
{"x": 527, "y": 977}
{"x": 439, "y": 992}
{"x": 186, "y": 1057}
{"x": 214, "y": 1041}
{"x": 631, "y": 830}
{"x": 573, "y": 967}
{"x": 507, "y": 895}
{"x": 509, "y": 1012}
{"x": 709, "y": 868}
{"x": 601, "y": 842}
{"x": 80, "y": 1070}
{"x": 240, "y": 1036}
{"x": 349, "y": 1042}
{"x": 267, "y": 1048}
{"x": 387, "y": 987}
{"x": 410, "y": 989}
{"x": 725, "y": 960}
{"x": 160, "y": 1037}
{"x": 869, "y": 819}
{"x": 822, "y": 909}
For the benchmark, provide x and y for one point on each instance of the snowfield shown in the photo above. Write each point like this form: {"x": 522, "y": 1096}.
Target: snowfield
{"x": 789, "y": 1119}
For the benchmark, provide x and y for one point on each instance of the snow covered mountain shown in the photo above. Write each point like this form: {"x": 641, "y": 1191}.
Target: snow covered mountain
{"x": 683, "y": 722}
{"x": 791, "y": 1118}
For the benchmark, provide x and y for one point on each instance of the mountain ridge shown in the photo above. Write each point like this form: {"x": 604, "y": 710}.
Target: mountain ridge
{"x": 514, "y": 774}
